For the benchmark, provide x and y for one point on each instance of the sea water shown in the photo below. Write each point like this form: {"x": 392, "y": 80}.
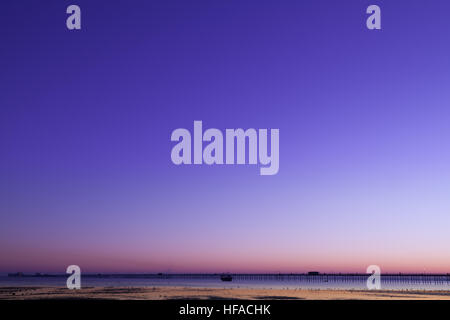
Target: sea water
{"x": 215, "y": 282}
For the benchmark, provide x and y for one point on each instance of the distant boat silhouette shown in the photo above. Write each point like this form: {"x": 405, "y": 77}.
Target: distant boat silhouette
{"x": 226, "y": 277}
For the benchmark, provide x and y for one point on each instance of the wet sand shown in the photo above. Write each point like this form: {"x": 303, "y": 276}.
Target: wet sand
{"x": 165, "y": 293}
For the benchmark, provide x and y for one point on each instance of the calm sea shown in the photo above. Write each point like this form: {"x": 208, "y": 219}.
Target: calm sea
{"x": 215, "y": 282}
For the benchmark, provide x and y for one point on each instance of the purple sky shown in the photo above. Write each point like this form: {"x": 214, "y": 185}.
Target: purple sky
{"x": 86, "y": 118}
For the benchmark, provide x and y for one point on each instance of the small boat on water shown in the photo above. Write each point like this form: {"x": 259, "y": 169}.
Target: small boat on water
{"x": 226, "y": 277}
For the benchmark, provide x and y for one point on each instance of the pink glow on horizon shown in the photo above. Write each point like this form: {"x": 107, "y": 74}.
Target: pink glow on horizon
{"x": 216, "y": 262}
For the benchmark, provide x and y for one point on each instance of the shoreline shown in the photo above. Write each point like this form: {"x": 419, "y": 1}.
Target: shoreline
{"x": 202, "y": 293}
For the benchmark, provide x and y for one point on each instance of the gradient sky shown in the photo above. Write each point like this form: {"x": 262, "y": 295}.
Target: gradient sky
{"x": 86, "y": 117}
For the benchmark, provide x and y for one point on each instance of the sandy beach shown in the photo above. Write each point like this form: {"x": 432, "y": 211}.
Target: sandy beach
{"x": 166, "y": 293}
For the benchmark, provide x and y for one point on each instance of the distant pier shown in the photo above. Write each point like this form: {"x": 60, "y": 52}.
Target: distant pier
{"x": 311, "y": 277}
{"x": 318, "y": 277}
